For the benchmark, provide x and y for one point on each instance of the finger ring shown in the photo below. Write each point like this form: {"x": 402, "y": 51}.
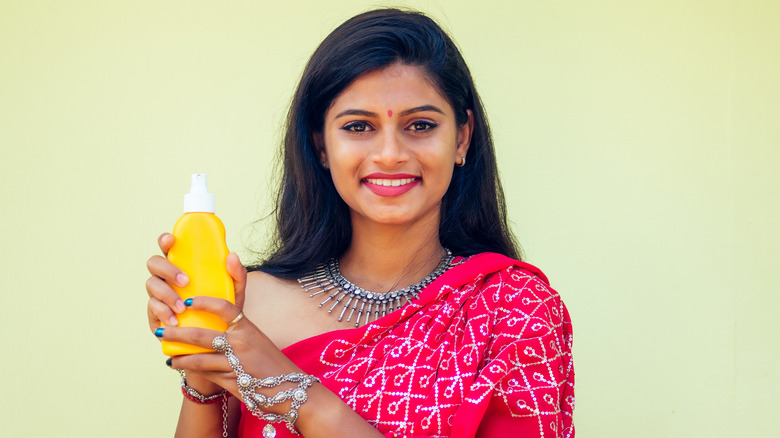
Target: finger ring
{"x": 220, "y": 343}
{"x": 236, "y": 319}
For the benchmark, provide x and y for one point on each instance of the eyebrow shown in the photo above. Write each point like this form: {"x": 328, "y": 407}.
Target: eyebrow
{"x": 356, "y": 112}
{"x": 419, "y": 109}
{"x": 364, "y": 113}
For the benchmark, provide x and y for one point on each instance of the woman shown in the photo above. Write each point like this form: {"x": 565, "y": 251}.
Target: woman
{"x": 389, "y": 178}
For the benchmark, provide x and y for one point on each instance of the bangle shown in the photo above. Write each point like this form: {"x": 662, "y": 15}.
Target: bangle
{"x": 194, "y": 396}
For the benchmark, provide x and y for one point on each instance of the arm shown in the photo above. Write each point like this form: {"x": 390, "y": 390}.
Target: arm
{"x": 526, "y": 386}
{"x": 324, "y": 414}
{"x": 207, "y": 420}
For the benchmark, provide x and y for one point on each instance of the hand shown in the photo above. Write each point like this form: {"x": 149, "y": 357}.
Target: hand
{"x": 259, "y": 357}
{"x": 323, "y": 415}
{"x": 164, "y": 302}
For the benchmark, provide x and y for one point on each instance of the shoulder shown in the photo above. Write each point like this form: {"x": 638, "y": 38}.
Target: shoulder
{"x": 523, "y": 284}
{"x": 272, "y": 303}
{"x": 260, "y": 281}
{"x": 269, "y": 303}
{"x": 518, "y": 297}
{"x": 495, "y": 272}
{"x": 265, "y": 292}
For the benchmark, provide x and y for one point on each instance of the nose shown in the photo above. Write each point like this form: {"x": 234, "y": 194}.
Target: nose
{"x": 390, "y": 149}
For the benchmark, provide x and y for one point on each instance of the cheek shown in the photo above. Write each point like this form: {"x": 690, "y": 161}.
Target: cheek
{"x": 337, "y": 171}
{"x": 439, "y": 171}
{"x": 343, "y": 161}
{"x": 446, "y": 180}
{"x": 343, "y": 174}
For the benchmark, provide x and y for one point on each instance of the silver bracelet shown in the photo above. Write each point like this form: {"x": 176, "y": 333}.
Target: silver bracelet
{"x": 200, "y": 398}
{"x": 253, "y": 400}
{"x": 195, "y": 396}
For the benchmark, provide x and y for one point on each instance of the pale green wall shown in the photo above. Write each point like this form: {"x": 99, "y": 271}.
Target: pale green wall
{"x": 638, "y": 142}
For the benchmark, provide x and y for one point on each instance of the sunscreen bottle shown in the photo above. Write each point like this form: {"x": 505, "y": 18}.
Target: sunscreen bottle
{"x": 199, "y": 249}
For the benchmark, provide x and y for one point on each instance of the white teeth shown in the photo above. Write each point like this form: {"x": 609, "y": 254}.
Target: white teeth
{"x": 390, "y": 182}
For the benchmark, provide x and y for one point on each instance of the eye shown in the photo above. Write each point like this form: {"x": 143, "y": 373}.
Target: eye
{"x": 422, "y": 126}
{"x": 357, "y": 127}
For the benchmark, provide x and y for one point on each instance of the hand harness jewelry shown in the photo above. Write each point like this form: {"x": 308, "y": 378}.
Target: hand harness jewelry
{"x": 247, "y": 386}
{"x": 328, "y": 277}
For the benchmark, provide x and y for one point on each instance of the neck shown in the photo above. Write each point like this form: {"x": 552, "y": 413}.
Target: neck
{"x": 382, "y": 258}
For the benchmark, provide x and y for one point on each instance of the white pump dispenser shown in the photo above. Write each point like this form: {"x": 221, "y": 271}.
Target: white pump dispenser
{"x": 199, "y": 199}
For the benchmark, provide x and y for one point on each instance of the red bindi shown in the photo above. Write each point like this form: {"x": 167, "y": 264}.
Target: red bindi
{"x": 389, "y": 113}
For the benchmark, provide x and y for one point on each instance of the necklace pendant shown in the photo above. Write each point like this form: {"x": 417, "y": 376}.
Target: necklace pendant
{"x": 368, "y": 313}
{"x": 269, "y": 431}
{"x": 349, "y": 318}
{"x": 338, "y": 300}
{"x": 328, "y": 276}
{"x": 346, "y": 306}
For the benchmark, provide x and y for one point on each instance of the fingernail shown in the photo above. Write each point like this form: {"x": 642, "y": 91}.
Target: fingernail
{"x": 182, "y": 279}
{"x": 179, "y": 305}
{"x": 159, "y": 332}
{"x": 188, "y": 302}
{"x": 169, "y": 362}
{"x": 173, "y": 321}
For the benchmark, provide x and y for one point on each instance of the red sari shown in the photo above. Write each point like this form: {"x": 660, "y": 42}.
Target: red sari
{"x": 485, "y": 351}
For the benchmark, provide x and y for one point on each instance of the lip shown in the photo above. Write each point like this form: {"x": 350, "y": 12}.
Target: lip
{"x": 380, "y": 175}
{"x": 380, "y": 189}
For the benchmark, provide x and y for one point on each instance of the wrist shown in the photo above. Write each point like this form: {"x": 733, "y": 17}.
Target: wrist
{"x": 325, "y": 414}
{"x": 322, "y": 408}
{"x": 200, "y": 390}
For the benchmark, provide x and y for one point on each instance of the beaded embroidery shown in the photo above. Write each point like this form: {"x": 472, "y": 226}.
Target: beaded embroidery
{"x": 497, "y": 346}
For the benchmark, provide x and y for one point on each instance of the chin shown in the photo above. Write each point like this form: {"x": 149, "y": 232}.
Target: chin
{"x": 392, "y": 220}
{"x": 397, "y": 215}
{"x": 388, "y": 217}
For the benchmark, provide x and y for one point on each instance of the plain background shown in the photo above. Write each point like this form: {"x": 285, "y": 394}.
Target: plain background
{"x": 638, "y": 142}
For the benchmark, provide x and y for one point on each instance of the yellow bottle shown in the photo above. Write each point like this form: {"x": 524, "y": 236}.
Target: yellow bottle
{"x": 200, "y": 251}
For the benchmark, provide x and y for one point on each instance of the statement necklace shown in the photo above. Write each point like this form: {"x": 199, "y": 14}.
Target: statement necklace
{"x": 328, "y": 277}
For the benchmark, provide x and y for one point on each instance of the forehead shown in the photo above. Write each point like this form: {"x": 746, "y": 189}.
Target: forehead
{"x": 396, "y": 87}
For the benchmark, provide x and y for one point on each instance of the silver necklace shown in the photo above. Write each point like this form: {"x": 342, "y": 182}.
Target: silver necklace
{"x": 327, "y": 277}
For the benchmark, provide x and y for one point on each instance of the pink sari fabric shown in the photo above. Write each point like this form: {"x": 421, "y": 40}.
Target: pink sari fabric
{"x": 485, "y": 351}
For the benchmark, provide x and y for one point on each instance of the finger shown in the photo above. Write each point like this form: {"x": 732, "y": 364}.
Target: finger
{"x": 238, "y": 272}
{"x": 165, "y": 241}
{"x": 224, "y": 309}
{"x": 156, "y": 287}
{"x": 204, "y": 362}
{"x": 197, "y": 336}
{"x": 159, "y": 312}
{"x": 161, "y": 267}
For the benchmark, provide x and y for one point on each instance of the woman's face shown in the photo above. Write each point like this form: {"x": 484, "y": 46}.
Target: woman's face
{"x": 391, "y": 142}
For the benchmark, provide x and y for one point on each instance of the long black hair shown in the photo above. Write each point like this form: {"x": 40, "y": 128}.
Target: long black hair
{"x": 312, "y": 221}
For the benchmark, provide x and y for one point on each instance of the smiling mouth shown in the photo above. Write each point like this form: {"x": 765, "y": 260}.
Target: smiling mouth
{"x": 391, "y": 187}
{"x": 390, "y": 182}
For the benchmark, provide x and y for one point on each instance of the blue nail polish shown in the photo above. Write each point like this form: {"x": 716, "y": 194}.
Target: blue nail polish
{"x": 169, "y": 362}
{"x": 159, "y": 332}
{"x": 188, "y": 302}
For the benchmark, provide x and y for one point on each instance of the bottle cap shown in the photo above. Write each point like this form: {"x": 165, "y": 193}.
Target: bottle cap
{"x": 199, "y": 198}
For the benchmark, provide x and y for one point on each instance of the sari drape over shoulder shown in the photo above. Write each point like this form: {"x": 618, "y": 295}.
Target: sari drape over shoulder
{"x": 485, "y": 351}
